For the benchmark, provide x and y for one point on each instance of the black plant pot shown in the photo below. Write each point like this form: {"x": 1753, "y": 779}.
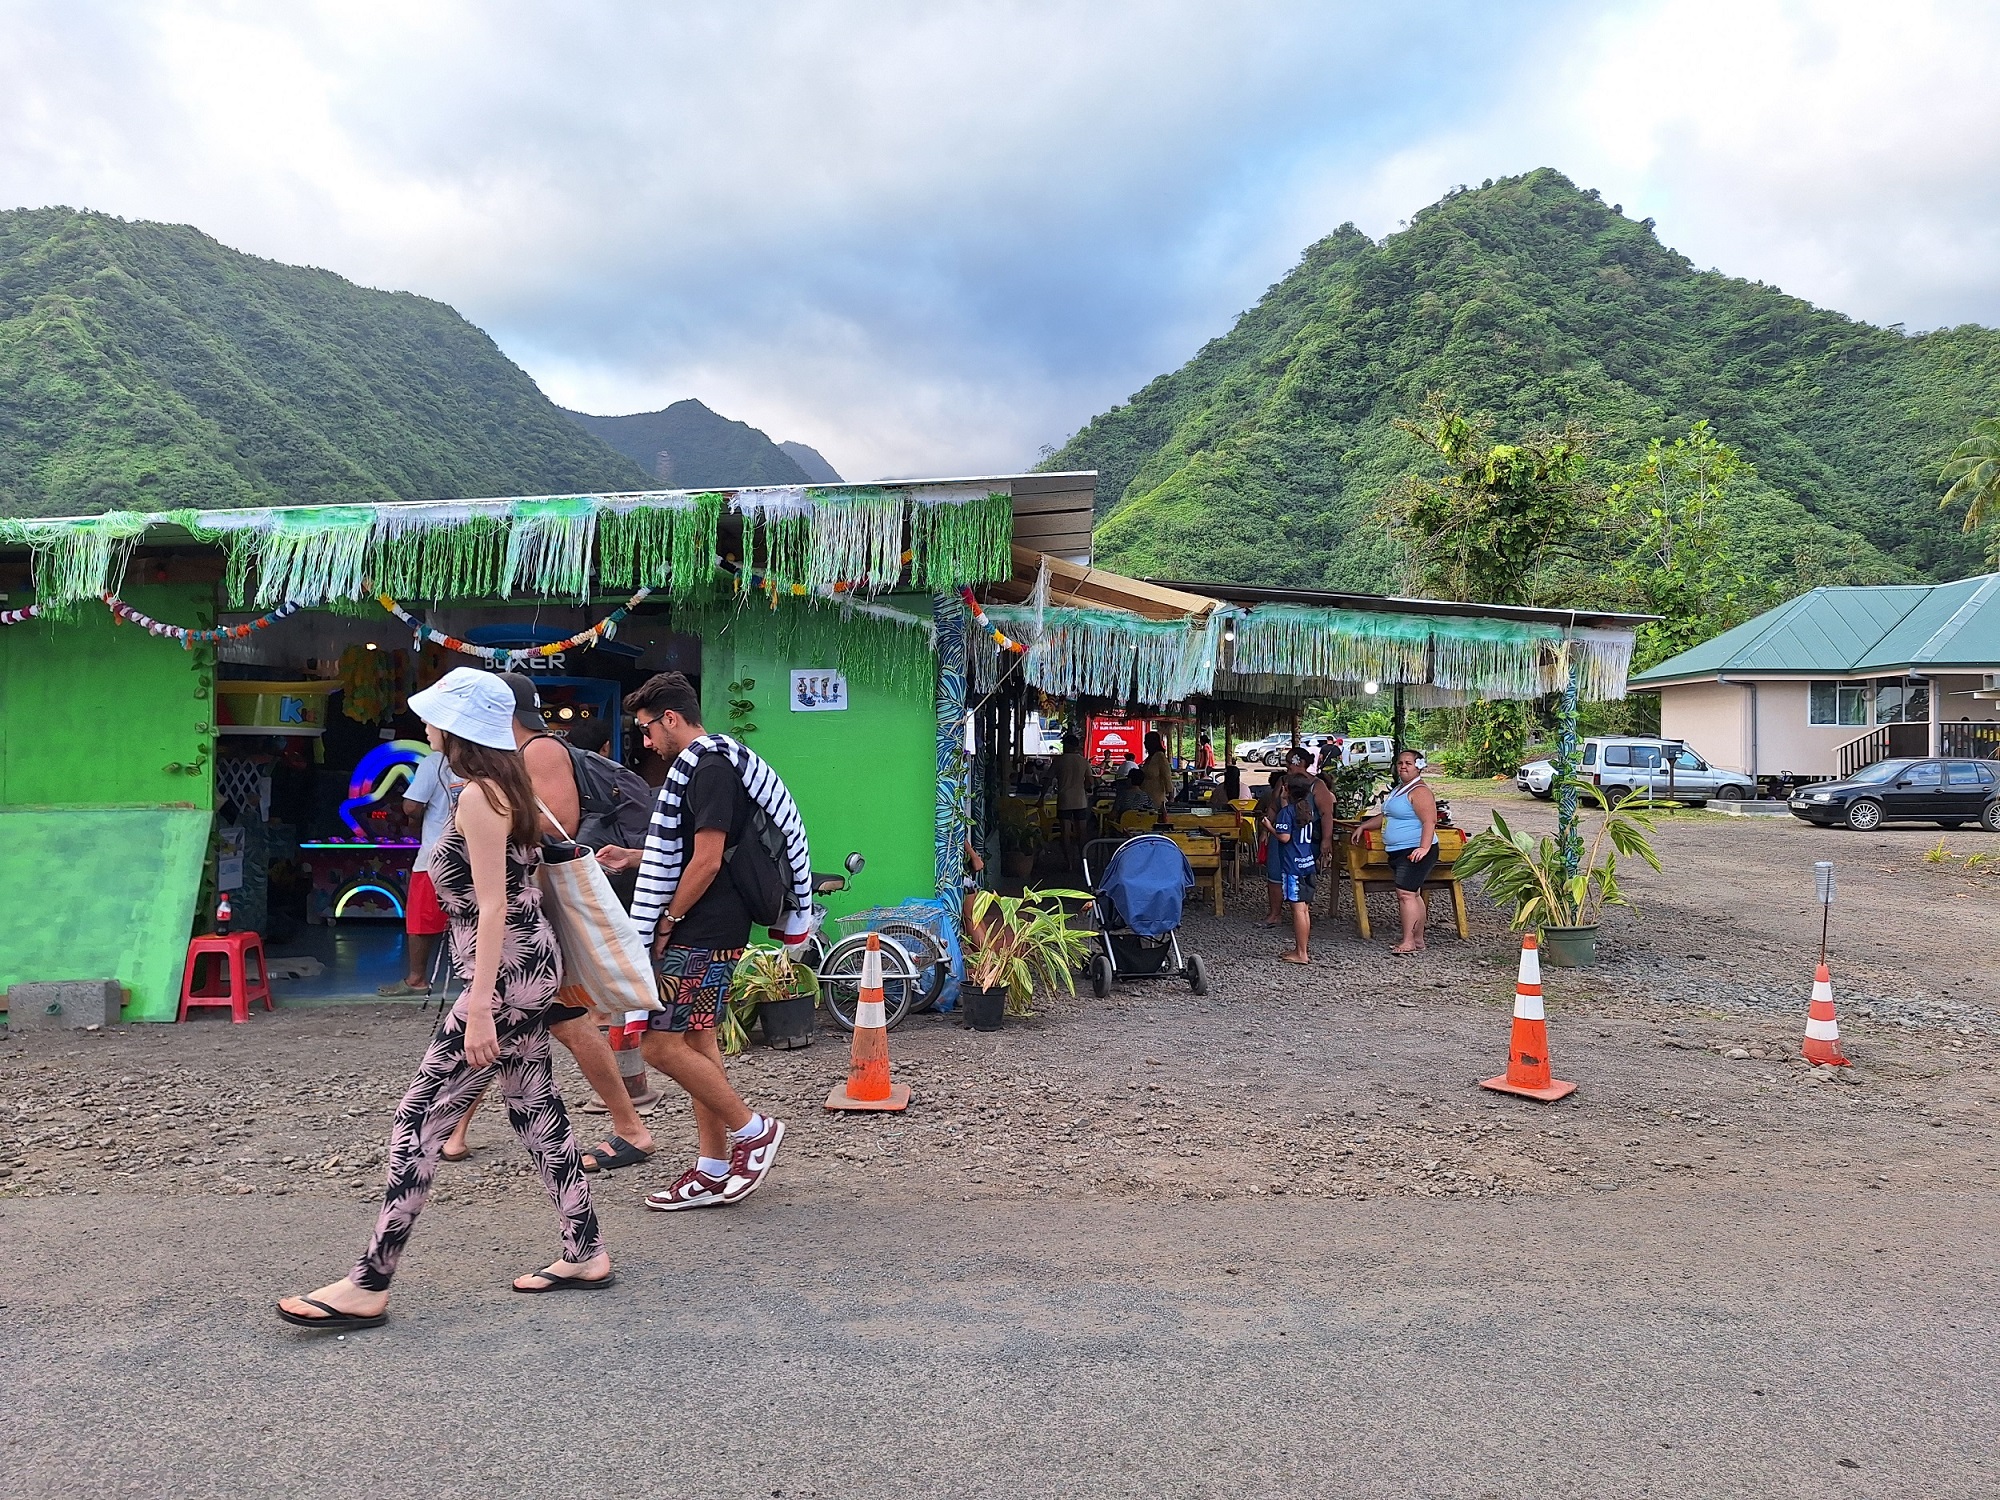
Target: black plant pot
{"x": 986, "y": 1010}
{"x": 787, "y": 1023}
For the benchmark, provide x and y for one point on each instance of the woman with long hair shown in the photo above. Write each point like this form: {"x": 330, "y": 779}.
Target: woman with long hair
{"x": 503, "y": 948}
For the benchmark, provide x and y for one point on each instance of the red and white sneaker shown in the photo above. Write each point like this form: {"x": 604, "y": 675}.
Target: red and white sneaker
{"x": 750, "y": 1161}
{"x": 690, "y": 1190}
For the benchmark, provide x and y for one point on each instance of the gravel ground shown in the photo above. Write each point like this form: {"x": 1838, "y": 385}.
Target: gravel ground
{"x": 1348, "y": 1079}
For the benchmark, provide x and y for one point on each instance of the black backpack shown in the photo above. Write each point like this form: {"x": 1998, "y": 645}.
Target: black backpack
{"x": 758, "y": 863}
{"x": 616, "y": 802}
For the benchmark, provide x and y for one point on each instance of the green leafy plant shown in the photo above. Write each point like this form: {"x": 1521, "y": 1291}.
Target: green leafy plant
{"x": 763, "y": 976}
{"x": 1528, "y": 874}
{"x": 1937, "y": 854}
{"x": 742, "y": 706}
{"x": 1020, "y": 833}
{"x": 1978, "y": 861}
{"x": 1025, "y": 943}
{"x": 1354, "y": 788}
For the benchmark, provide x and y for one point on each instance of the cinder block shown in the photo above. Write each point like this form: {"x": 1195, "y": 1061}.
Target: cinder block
{"x": 73, "y": 1003}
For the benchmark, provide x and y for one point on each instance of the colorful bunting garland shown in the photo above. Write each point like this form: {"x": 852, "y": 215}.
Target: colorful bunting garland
{"x": 189, "y": 639}
{"x": 507, "y": 656}
{"x": 20, "y": 616}
{"x": 1000, "y": 638}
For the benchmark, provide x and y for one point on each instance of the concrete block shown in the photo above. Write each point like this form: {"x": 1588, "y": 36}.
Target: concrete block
{"x": 73, "y": 1004}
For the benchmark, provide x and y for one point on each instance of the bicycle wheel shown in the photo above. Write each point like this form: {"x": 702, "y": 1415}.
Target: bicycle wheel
{"x": 927, "y": 955}
{"x": 840, "y": 981}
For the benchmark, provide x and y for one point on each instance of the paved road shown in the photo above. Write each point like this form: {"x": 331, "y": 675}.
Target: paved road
{"x": 1641, "y": 1342}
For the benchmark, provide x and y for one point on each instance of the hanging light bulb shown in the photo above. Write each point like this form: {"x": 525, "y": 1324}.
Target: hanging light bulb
{"x": 1371, "y": 687}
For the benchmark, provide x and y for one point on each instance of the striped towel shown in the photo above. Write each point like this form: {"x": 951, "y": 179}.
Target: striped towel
{"x": 666, "y": 850}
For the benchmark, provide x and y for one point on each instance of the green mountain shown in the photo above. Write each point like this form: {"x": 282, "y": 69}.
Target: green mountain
{"x": 689, "y": 447}
{"x": 1264, "y": 459}
{"x": 147, "y": 367}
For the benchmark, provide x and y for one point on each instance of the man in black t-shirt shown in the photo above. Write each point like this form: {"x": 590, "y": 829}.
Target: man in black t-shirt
{"x": 696, "y": 942}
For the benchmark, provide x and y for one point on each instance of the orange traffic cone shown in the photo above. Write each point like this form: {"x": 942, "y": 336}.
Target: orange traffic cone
{"x": 1528, "y": 1051}
{"x": 868, "y": 1085}
{"x": 1822, "y": 1045}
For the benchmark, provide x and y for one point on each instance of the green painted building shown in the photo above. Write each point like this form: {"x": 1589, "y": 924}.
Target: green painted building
{"x": 186, "y": 699}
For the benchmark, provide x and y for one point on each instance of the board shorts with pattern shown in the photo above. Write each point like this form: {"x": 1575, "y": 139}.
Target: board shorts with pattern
{"x": 693, "y": 983}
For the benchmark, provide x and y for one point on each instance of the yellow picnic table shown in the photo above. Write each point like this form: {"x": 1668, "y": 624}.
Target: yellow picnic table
{"x": 1368, "y": 864}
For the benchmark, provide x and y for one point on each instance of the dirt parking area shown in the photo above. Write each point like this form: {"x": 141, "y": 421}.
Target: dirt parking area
{"x": 1352, "y": 1078}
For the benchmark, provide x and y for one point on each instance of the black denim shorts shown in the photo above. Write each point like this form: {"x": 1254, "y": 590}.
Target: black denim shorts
{"x": 1411, "y": 874}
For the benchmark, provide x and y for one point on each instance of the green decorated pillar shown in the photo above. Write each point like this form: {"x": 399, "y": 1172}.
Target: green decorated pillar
{"x": 1568, "y": 839}
{"x": 953, "y": 792}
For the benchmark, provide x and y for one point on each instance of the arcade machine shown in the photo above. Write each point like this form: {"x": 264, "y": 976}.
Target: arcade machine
{"x": 576, "y": 687}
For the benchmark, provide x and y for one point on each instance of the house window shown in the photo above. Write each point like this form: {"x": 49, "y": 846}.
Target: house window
{"x": 1898, "y": 700}
{"x": 1837, "y": 703}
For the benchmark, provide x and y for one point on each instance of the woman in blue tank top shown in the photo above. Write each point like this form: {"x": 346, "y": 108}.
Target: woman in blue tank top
{"x": 1408, "y": 821}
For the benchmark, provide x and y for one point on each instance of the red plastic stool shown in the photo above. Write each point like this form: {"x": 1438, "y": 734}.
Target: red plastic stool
{"x": 229, "y": 955}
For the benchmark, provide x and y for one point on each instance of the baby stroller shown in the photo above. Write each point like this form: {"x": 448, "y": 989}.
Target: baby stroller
{"x": 1138, "y": 887}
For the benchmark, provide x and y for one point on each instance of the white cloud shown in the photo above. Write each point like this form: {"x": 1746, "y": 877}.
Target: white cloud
{"x": 927, "y": 237}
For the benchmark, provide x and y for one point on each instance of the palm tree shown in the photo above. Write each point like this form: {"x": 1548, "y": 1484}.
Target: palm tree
{"x": 1973, "y": 473}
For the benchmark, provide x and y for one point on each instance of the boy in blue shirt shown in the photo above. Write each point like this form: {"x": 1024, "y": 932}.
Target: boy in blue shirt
{"x": 1294, "y": 840}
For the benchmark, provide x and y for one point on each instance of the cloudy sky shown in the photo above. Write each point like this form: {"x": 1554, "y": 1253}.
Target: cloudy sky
{"x": 929, "y": 237}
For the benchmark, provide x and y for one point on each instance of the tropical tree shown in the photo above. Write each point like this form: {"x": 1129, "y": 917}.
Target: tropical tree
{"x": 1483, "y": 529}
{"x": 1486, "y": 529}
{"x": 1667, "y": 515}
{"x": 1973, "y": 472}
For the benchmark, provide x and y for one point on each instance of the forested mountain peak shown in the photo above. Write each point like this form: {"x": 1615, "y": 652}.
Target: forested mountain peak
{"x": 1266, "y": 457}
{"x": 688, "y": 446}
{"x": 146, "y": 366}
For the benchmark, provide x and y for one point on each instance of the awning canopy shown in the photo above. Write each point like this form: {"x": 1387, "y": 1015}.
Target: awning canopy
{"x": 819, "y": 539}
{"x": 1092, "y": 634}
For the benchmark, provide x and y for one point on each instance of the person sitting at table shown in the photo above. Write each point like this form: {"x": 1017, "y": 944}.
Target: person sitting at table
{"x": 1132, "y": 795}
{"x": 1408, "y": 821}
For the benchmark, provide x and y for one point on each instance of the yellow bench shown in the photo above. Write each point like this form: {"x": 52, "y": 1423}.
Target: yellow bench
{"x": 1368, "y": 864}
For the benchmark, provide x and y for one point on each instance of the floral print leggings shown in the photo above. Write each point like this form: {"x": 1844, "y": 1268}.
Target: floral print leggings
{"x": 438, "y": 1098}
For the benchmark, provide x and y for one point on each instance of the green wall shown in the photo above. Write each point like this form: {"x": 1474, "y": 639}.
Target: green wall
{"x": 101, "y": 845}
{"x": 865, "y": 778}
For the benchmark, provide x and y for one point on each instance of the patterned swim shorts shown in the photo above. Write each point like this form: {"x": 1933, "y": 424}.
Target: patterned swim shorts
{"x": 693, "y": 982}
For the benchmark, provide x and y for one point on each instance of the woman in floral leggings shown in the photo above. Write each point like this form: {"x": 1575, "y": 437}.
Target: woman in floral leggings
{"x": 502, "y": 945}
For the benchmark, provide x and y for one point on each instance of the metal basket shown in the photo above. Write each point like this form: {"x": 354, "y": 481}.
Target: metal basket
{"x": 928, "y": 919}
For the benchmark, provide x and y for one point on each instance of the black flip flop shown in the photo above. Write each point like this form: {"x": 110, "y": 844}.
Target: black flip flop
{"x": 622, "y": 1154}
{"x": 334, "y": 1318}
{"x": 558, "y": 1283}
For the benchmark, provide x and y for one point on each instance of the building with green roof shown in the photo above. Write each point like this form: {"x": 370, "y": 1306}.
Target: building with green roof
{"x": 1838, "y": 678}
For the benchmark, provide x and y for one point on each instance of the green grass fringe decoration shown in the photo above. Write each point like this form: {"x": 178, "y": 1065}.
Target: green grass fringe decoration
{"x": 546, "y": 546}
{"x": 968, "y": 543}
{"x": 1105, "y": 653}
{"x": 879, "y": 645}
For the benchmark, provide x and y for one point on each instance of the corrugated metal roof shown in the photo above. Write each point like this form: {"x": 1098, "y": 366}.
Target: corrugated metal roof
{"x": 1853, "y": 632}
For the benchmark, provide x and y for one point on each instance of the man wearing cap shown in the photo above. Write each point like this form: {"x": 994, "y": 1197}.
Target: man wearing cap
{"x": 554, "y": 780}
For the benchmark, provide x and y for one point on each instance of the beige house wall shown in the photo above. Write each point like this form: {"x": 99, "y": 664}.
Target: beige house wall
{"x": 1712, "y": 718}
{"x": 1716, "y": 718}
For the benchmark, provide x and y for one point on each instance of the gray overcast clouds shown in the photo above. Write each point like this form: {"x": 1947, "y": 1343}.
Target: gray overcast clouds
{"x": 928, "y": 238}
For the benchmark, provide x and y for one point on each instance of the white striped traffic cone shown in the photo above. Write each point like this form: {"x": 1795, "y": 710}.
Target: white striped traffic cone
{"x": 1528, "y": 1049}
{"x": 868, "y": 1085}
{"x": 1822, "y": 1045}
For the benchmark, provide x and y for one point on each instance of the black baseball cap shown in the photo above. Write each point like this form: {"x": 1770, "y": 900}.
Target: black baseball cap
{"x": 527, "y": 702}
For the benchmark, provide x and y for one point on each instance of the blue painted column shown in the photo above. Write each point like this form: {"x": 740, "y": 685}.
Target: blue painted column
{"x": 953, "y": 794}
{"x": 1568, "y": 840}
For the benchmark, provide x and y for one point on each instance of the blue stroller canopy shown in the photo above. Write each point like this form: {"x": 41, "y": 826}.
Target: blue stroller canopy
{"x": 1145, "y": 883}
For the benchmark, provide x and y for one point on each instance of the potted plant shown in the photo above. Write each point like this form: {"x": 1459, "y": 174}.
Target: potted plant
{"x": 1528, "y": 874}
{"x": 1354, "y": 788}
{"x": 1020, "y": 838}
{"x": 1015, "y": 945}
{"x": 779, "y": 994}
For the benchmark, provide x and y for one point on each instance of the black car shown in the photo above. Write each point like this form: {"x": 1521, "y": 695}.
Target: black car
{"x": 1949, "y": 793}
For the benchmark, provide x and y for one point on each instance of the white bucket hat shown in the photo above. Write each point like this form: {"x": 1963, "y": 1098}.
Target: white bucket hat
{"x": 471, "y": 704}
